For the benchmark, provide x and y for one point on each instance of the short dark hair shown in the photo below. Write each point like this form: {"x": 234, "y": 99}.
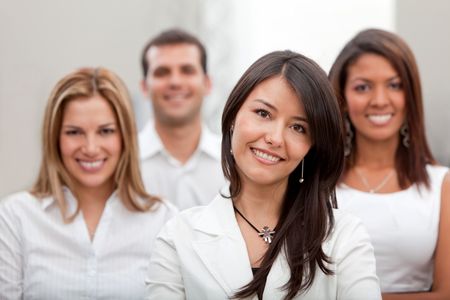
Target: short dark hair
{"x": 410, "y": 162}
{"x": 306, "y": 218}
{"x": 171, "y": 37}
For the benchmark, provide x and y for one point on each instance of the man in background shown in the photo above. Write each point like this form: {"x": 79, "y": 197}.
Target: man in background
{"x": 180, "y": 156}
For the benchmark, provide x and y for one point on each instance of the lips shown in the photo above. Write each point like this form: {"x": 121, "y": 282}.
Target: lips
{"x": 380, "y": 119}
{"x": 271, "y": 158}
{"x": 176, "y": 96}
{"x": 91, "y": 166}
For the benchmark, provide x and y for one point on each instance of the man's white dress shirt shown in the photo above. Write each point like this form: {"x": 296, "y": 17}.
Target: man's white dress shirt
{"x": 185, "y": 185}
{"x": 41, "y": 257}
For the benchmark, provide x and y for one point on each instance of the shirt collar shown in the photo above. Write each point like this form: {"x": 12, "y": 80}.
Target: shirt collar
{"x": 68, "y": 197}
{"x": 151, "y": 144}
{"x": 71, "y": 202}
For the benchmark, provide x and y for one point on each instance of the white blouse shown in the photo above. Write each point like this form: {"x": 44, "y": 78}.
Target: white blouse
{"x": 403, "y": 227}
{"x": 41, "y": 257}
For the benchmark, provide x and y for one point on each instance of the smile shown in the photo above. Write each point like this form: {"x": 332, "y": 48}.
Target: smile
{"x": 266, "y": 156}
{"x": 91, "y": 166}
{"x": 380, "y": 119}
{"x": 176, "y": 96}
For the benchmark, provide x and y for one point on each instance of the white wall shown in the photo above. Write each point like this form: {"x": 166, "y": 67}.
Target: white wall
{"x": 425, "y": 25}
{"x": 43, "y": 40}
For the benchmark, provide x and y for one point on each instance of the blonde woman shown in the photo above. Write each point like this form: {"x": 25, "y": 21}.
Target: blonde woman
{"x": 86, "y": 227}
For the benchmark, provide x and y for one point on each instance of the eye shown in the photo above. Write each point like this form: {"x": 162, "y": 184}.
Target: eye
{"x": 72, "y": 132}
{"x": 107, "y": 131}
{"x": 395, "y": 85}
{"x": 188, "y": 70}
{"x": 363, "y": 87}
{"x": 161, "y": 72}
{"x": 263, "y": 113}
{"x": 298, "y": 128}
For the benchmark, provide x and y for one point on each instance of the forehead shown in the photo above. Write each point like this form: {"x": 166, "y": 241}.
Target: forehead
{"x": 279, "y": 93}
{"x": 88, "y": 110}
{"x": 173, "y": 55}
{"x": 370, "y": 64}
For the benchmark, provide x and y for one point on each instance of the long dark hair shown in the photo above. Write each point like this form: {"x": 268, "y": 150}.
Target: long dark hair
{"x": 306, "y": 217}
{"x": 410, "y": 163}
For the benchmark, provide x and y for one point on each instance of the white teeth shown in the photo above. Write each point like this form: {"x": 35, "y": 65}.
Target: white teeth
{"x": 380, "y": 119}
{"x": 265, "y": 156}
{"x": 176, "y": 96}
{"x": 91, "y": 164}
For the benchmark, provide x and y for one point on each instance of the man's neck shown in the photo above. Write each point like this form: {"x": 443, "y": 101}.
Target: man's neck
{"x": 180, "y": 141}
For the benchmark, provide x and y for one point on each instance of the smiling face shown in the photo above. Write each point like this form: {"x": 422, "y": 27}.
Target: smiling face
{"x": 90, "y": 143}
{"x": 270, "y": 134}
{"x": 375, "y": 99}
{"x": 176, "y": 83}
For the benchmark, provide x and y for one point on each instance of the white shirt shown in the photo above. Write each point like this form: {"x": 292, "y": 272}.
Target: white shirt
{"x": 41, "y": 257}
{"x": 403, "y": 227}
{"x": 201, "y": 254}
{"x": 185, "y": 185}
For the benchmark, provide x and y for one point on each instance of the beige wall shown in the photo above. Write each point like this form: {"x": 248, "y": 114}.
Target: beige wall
{"x": 40, "y": 41}
{"x": 426, "y": 27}
{"x": 43, "y": 40}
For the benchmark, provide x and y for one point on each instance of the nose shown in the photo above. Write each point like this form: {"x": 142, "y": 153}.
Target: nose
{"x": 274, "y": 136}
{"x": 90, "y": 147}
{"x": 175, "y": 79}
{"x": 380, "y": 96}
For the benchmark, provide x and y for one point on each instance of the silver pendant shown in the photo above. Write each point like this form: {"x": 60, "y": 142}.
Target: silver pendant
{"x": 266, "y": 234}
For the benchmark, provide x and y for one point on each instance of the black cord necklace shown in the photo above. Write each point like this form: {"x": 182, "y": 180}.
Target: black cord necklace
{"x": 266, "y": 233}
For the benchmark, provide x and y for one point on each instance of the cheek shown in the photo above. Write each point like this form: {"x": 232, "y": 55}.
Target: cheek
{"x": 115, "y": 145}
{"x": 67, "y": 146}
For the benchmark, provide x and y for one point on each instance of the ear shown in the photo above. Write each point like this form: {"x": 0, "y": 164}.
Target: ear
{"x": 144, "y": 88}
{"x": 208, "y": 85}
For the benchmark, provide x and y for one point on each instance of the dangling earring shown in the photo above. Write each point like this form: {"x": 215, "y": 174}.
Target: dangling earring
{"x": 301, "y": 180}
{"x": 348, "y": 137}
{"x": 231, "y": 134}
{"x": 404, "y": 132}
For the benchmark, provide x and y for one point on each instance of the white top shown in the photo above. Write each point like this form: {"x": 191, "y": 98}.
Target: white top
{"x": 41, "y": 257}
{"x": 403, "y": 227}
{"x": 194, "y": 183}
{"x": 201, "y": 254}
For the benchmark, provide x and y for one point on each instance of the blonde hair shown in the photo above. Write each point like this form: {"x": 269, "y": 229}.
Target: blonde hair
{"x": 83, "y": 83}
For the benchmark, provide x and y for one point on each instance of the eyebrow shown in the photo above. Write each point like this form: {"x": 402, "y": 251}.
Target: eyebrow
{"x": 299, "y": 118}
{"x": 100, "y": 126}
{"x": 367, "y": 80}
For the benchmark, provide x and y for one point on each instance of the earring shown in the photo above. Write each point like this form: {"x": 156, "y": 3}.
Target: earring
{"x": 404, "y": 132}
{"x": 348, "y": 137}
{"x": 231, "y": 151}
{"x": 301, "y": 180}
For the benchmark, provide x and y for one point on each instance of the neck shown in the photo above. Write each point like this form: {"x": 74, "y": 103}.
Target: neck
{"x": 180, "y": 141}
{"x": 261, "y": 205}
{"x": 89, "y": 198}
{"x": 375, "y": 155}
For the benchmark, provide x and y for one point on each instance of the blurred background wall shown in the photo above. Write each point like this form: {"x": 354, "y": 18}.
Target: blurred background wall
{"x": 41, "y": 41}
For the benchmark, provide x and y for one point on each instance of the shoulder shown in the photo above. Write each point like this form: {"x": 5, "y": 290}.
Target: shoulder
{"x": 348, "y": 229}
{"x": 437, "y": 173}
{"x": 210, "y": 143}
{"x": 17, "y": 200}
{"x": 345, "y": 221}
{"x": 164, "y": 207}
{"x": 19, "y": 206}
{"x": 200, "y": 221}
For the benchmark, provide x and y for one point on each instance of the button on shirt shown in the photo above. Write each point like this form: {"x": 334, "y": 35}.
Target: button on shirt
{"x": 41, "y": 257}
{"x": 196, "y": 182}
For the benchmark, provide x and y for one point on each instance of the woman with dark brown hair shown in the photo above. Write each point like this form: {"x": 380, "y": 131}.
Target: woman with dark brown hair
{"x": 274, "y": 233}
{"x": 391, "y": 180}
